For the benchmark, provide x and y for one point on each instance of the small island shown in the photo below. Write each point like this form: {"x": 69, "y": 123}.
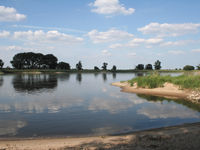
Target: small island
{"x": 185, "y": 86}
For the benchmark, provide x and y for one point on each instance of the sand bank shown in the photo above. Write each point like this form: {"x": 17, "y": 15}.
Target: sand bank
{"x": 177, "y": 137}
{"x": 168, "y": 90}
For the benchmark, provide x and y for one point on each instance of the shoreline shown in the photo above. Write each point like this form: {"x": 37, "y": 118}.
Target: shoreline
{"x": 174, "y": 136}
{"x": 169, "y": 90}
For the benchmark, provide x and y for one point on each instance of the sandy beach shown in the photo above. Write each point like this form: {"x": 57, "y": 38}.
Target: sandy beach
{"x": 168, "y": 90}
{"x": 181, "y": 137}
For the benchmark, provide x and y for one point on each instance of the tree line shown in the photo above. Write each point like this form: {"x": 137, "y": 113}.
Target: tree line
{"x": 32, "y": 60}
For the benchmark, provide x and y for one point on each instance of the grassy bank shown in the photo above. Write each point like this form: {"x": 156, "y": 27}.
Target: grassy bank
{"x": 186, "y": 81}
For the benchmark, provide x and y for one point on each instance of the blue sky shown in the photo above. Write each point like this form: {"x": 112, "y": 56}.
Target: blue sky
{"x": 120, "y": 32}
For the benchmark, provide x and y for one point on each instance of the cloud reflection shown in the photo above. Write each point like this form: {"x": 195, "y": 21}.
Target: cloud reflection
{"x": 159, "y": 110}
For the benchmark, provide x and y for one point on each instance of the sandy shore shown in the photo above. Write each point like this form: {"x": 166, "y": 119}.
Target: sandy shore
{"x": 181, "y": 137}
{"x": 169, "y": 90}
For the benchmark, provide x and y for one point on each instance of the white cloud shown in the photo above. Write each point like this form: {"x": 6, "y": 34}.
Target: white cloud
{"x": 109, "y": 36}
{"x": 4, "y": 34}
{"x": 175, "y": 43}
{"x": 9, "y": 14}
{"x": 167, "y": 111}
{"x": 176, "y": 52}
{"x": 106, "y": 52}
{"x": 196, "y": 50}
{"x": 46, "y": 37}
{"x": 166, "y": 29}
{"x": 114, "y": 46}
{"x": 16, "y": 48}
{"x": 138, "y": 41}
{"x": 110, "y": 7}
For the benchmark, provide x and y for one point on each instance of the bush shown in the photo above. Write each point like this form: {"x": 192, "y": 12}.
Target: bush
{"x": 188, "y": 67}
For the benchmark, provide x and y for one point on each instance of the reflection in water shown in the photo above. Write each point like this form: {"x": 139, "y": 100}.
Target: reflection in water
{"x": 34, "y": 82}
{"x": 164, "y": 111}
{"x": 64, "y": 76}
{"x": 1, "y": 80}
{"x": 79, "y": 77}
{"x": 114, "y": 75}
{"x": 10, "y": 127}
{"x": 92, "y": 107}
{"x": 139, "y": 74}
{"x": 161, "y": 100}
{"x": 104, "y": 76}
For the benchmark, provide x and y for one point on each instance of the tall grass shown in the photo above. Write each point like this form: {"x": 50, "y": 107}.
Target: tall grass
{"x": 152, "y": 81}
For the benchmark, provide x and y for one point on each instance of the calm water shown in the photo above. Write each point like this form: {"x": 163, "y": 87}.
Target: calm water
{"x": 82, "y": 104}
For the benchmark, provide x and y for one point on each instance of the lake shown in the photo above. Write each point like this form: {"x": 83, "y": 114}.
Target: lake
{"x": 45, "y": 105}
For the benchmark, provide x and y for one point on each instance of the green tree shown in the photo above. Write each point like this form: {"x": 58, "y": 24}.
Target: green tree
{"x": 49, "y": 61}
{"x": 149, "y": 67}
{"x": 79, "y": 66}
{"x": 139, "y": 67}
{"x": 157, "y": 65}
{"x": 96, "y": 68}
{"x": 63, "y": 66}
{"x": 114, "y": 68}
{"x": 1, "y": 64}
{"x": 188, "y": 67}
{"x": 32, "y": 60}
{"x": 104, "y": 67}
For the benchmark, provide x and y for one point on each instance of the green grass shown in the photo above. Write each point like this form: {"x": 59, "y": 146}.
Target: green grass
{"x": 186, "y": 81}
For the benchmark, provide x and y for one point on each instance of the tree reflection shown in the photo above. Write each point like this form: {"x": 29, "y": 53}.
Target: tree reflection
{"x": 64, "y": 76}
{"x": 104, "y": 76}
{"x": 178, "y": 101}
{"x": 1, "y": 80}
{"x": 79, "y": 77}
{"x": 34, "y": 82}
{"x": 114, "y": 75}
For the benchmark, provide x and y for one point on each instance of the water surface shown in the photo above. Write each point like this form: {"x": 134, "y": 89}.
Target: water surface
{"x": 82, "y": 104}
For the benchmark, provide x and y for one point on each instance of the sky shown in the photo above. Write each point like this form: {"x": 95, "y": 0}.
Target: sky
{"x": 120, "y": 32}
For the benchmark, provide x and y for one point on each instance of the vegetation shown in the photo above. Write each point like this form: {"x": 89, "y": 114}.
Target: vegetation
{"x": 1, "y": 64}
{"x": 149, "y": 67}
{"x": 32, "y": 60}
{"x": 188, "y": 67}
{"x": 114, "y": 68}
{"x": 96, "y": 68}
{"x": 79, "y": 66}
{"x": 104, "y": 67}
{"x": 63, "y": 66}
{"x": 154, "y": 80}
{"x": 157, "y": 65}
{"x": 139, "y": 67}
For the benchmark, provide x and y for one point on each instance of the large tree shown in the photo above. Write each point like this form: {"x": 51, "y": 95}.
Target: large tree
{"x": 63, "y": 66}
{"x": 50, "y": 61}
{"x": 149, "y": 67}
{"x": 104, "y": 67}
{"x": 1, "y": 63}
{"x": 114, "y": 68}
{"x": 79, "y": 66}
{"x": 139, "y": 67}
{"x": 157, "y": 65}
{"x": 188, "y": 67}
{"x": 32, "y": 60}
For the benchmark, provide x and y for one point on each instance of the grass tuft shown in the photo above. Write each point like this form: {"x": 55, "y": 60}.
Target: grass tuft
{"x": 154, "y": 80}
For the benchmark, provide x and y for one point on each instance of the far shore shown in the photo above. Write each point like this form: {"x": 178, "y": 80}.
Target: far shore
{"x": 11, "y": 71}
{"x": 180, "y": 137}
{"x": 169, "y": 90}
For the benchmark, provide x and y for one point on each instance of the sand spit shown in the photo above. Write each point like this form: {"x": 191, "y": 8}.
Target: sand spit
{"x": 181, "y": 137}
{"x": 169, "y": 90}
